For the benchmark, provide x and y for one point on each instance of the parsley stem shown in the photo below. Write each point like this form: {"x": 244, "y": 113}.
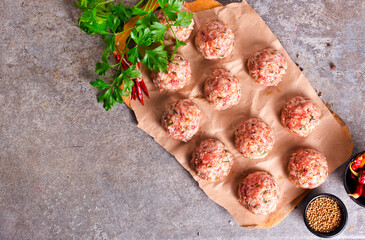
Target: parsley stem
{"x": 105, "y": 2}
{"x": 147, "y": 5}
{"x": 126, "y": 46}
{"x": 154, "y": 5}
{"x": 169, "y": 25}
{"x": 139, "y": 3}
{"x": 124, "y": 31}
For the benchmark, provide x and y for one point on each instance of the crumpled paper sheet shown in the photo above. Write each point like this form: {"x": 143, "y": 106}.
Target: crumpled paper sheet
{"x": 251, "y": 35}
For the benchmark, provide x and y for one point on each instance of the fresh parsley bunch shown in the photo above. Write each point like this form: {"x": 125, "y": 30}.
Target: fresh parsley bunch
{"x": 108, "y": 19}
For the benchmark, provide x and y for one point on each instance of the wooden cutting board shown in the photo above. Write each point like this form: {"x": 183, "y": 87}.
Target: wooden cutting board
{"x": 200, "y": 5}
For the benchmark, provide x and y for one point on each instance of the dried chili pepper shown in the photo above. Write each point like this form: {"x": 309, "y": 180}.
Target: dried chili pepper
{"x": 117, "y": 57}
{"x": 144, "y": 88}
{"x": 124, "y": 63}
{"x": 133, "y": 91}
{"x": 139, "y": 92}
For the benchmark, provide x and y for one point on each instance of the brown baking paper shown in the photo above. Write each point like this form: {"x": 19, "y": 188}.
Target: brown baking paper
{"x": 251, "y": 35}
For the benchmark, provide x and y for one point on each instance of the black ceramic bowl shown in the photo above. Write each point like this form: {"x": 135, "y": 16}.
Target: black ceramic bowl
{"x": 350, "y": 184}
{"x": 343, "y": 219}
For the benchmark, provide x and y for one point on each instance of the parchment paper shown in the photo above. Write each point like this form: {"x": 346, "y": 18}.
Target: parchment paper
{"x": 251, "y": 35}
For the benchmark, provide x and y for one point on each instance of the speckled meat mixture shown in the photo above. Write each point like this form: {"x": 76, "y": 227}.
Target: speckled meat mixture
{"x": 254, "y": 138}
{"x": 178, "y": 75}
{"x": 307, "y": 168}
{"x": 300, "y": 116}
{"x": 211, "y": 160}
{"x": 214, "y": 40}
{"x": 259, "y": 193}
{"x": 222, "y": 89}
{"x": 267, "y": 67}
{"x": 181, "y": 119}
{"x": 182, "y": 33}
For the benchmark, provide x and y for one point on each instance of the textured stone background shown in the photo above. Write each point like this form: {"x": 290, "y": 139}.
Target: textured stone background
{"x": 70, "y": 170}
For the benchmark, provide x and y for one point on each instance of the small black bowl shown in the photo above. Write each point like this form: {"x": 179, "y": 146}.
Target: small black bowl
{"x": 350, "y": 184}
{"x": 343, "y": 219}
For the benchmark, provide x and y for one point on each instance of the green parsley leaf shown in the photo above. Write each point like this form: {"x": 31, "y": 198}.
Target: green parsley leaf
{"x": 88, "y": 16}
{"x": 110, "y": 42}
{"x": 102, "y": 67}
{"x": 178, "y": 43}
{"x": 108, "y": 99}
{"x": 127, "y": 88}
{"x": 156, "y": 59}
{"x": 142, "y": 37}
{"x": 113, "y": 22}
{"x": 100, "y": 84}
{"x": 158, "y": 31}
{"x": 94, "y": 28}
{"x": 134, "y": 55}
{"x": 183, "y": 19}
{"x": 117, "y": 94}
{"x": 105, "y": 55}
{"x": 138, "y": 11}
{"x": 171, "y": 7}
{"x": 122, "y": 12}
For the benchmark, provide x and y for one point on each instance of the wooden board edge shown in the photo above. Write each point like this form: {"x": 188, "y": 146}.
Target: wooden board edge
{"x": 279, "y": 216}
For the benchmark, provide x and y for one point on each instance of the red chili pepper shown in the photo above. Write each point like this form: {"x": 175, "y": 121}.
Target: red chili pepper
{"x": 117, "y": 57}
{"x": 144, "y": 88}
{"x": 362, "y": 176}
{"x": 124, "y": 64}
{"x": 133, "y": 91}
{"x": 358, "y": 163}
{"x": 358, "y": 191}
{"x": 139, "y": 92}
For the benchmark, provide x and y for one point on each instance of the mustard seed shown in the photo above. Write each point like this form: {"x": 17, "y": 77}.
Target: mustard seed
{"x": 324, "y": 215}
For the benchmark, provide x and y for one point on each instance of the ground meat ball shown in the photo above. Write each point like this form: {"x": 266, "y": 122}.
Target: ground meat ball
{"x": 254, "y": 138}
{"x": 267, "y": 67}
{"x": 307, "y": 168}
{"x": 178, "y": 75}
{"x": 211, "y": 160}
{"x": 259, "y": 193}
{"x": 222, "y": 89}
{"x": 181, "y": 119}
{"x": 300, "y": 116}
{"x": 214, "y": 40}
{"x": 182, "y": 33}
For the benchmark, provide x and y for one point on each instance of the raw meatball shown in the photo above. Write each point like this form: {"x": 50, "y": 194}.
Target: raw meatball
{"x": 254, "y": 138}
{"x": 178, "y": 75}
{"x": 211, "y": 160}
{"x": 300, "y": 116}
{"x": 214, "y": 40}
{"x": 259, "y": 193}
{"x": 182, "y": 33}
{"x": 222, "y": 89}
{"x": 307, "y": 168}
{"x": 267, "y": 67}
{"x": 181, "y": 120}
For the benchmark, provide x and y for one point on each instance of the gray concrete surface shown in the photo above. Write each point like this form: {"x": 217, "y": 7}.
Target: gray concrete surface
{"x": 70, "y": 170}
